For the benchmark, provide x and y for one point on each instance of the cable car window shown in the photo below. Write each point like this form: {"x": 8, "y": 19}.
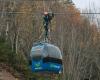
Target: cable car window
{"x": 53, "y": 60}
{"x": 36, "y": 55}
{"x": 36, "y": 58}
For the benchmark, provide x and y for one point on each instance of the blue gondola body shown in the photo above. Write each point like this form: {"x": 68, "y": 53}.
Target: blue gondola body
{"x": 39, "y": 66}
{"x": 40, "y": 51}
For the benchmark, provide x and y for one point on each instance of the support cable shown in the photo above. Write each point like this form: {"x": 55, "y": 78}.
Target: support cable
{"x": 39, "y": 13}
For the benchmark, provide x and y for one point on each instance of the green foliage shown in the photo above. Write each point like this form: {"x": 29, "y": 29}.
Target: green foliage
{"x": 17, "y": 61}
{"x": 5, "y": 51}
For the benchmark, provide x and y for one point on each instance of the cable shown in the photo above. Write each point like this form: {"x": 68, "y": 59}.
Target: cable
{"x": 32, "y": 0}
{"x": 38, "y": 13}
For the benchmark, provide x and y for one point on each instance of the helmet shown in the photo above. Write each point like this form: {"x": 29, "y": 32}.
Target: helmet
{"x": 45, "y": 13}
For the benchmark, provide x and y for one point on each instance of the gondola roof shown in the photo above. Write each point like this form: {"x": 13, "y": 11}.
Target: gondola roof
{"x": 45, "y": 50}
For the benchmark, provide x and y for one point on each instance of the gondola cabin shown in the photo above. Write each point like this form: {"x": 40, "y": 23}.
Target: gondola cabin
{"x": 46, "y": 57}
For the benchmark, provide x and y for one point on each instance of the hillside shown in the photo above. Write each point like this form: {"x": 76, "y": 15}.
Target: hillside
{"x": 76, "y": 34}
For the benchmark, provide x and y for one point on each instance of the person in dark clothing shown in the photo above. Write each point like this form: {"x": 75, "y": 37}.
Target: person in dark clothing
{"x": 47, "y": 20}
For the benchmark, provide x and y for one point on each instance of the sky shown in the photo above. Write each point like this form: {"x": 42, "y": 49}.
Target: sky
{"x": 83, "y": 4}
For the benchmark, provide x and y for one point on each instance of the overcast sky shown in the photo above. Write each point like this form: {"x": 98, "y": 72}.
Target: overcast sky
{"x": 82, "y": 4}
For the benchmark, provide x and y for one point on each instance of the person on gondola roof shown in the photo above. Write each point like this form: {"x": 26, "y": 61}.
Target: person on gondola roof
{"x": 46, "y": 21}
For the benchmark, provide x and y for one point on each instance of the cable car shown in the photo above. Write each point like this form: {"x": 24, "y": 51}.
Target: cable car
{"x": 46, "y": 57}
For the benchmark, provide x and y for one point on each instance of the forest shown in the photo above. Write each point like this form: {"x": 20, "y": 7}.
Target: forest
{"x": 77, "y": 35}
